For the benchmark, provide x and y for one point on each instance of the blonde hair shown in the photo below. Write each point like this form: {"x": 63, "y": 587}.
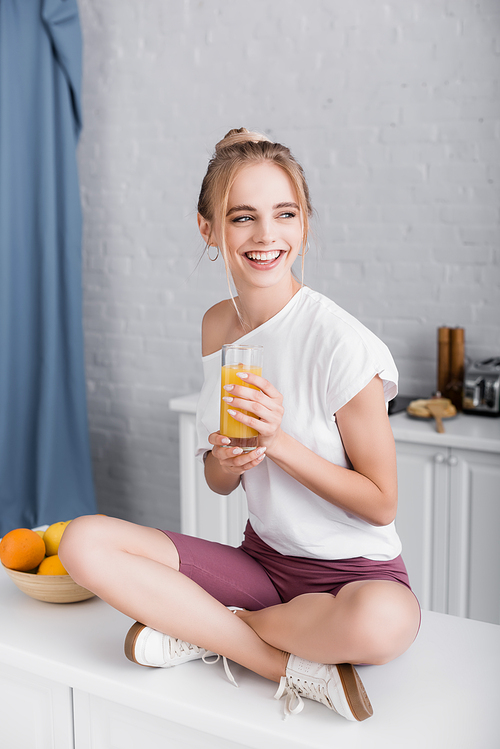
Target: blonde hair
{"x": 240, "y": 148}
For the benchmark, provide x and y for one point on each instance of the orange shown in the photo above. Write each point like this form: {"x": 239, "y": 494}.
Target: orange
{"x": 51, "y": 566}
{"x": 21, "y": 549}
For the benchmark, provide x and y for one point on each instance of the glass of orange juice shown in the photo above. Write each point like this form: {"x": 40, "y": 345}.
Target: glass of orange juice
{"x": 237, "y": 358}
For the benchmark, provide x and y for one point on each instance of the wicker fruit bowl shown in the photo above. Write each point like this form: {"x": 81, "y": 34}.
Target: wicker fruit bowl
{"x": 51, "y": 588}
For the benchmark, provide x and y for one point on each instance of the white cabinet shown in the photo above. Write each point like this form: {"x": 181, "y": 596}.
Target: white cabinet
{"x": 474, "y": 567}
{"x": 36, "y": 712}
{"x": 449, "y": 514}
{"x": 107, "y": 724}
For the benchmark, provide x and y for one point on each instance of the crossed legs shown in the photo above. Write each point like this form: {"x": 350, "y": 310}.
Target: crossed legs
{"x": 136, "y": 570}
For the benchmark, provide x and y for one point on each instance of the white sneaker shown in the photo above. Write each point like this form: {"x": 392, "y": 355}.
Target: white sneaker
{"x": 148, "y": 647}
{"x": 338, "y": 687}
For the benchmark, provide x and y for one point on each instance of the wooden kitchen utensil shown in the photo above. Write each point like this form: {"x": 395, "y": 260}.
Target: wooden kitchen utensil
{"x": 436, "y": 408}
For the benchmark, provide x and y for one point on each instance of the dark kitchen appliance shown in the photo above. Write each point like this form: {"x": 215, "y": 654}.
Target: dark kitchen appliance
{"x": 481, "y": 394}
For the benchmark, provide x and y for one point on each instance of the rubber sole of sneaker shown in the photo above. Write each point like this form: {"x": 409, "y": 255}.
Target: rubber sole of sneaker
{"x": 355, "y": 692}
{"x": 130, "y": 640}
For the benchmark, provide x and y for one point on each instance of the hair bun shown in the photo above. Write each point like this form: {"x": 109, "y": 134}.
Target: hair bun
{"x": 240, "y": 135}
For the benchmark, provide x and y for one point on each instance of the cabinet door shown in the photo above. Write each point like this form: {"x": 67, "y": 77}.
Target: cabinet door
{"x": 103, "y": 724}
{"x": 474, "y": 589}
{"x": 422, "y": 520}
{"x": 36, "y": 712}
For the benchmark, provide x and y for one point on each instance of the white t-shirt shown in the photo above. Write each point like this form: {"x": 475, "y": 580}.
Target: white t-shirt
{"x": 318, "y": 357}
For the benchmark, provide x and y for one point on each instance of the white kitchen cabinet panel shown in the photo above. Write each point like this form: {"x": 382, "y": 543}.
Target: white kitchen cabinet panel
{"x": 474, "y": 567}
{"x": 36, "y": 712}
{"x": 449, "y": 514}
{"x": 416, "y": 519}
{"x": 104, "y": 724}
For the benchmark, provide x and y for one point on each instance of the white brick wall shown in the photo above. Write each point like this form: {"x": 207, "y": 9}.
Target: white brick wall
{"x": 393, "y": 109}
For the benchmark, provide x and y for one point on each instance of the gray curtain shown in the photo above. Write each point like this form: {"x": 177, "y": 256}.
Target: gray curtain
{"x": 45, "y": 467}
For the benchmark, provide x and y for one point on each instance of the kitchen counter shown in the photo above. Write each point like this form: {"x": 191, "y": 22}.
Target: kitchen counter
{"x": 443, "y": 692}
{"x": 463, "y": 431}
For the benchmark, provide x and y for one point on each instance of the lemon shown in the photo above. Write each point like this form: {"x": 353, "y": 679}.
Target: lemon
{"x": 52, "y": 537}
{"x": 51, "y": 566}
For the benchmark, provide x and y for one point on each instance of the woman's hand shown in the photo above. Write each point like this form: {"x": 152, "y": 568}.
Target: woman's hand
{"x": 266, "y": 403}
{"x": 232, "y": 459}
{"x": 225, "y": 464}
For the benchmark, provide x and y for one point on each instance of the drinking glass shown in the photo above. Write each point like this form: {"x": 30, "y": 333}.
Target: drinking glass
{"x": 237, "y": 358}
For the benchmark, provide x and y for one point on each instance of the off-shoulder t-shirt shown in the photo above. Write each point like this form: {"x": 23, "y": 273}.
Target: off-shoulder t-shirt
{"x": 318, "y": 357}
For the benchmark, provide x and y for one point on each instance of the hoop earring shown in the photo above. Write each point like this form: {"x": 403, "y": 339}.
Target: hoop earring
{"x": 213, "y": 259}
{"x": 303, "y": 254}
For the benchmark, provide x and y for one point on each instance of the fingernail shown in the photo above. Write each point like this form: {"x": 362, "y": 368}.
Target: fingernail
{"x": 243, "y": 375}
{"x": 228, "y": 387}
{"x": 226, "y": 441}
{"x": 231, "y": 413}
{"x": 261, "y": 451}
{"x": 227, "y": 399}
{"x": 237, "y": 451}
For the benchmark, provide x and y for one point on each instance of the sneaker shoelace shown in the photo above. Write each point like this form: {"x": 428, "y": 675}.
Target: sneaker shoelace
{"x": 179, "y": 648}
{"x": 216, "y": 657}
{"x": 293, "y": 693}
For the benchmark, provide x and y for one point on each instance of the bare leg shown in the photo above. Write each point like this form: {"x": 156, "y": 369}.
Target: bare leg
{"x": 136, "y": 570}
{"x": 367, "y": 622}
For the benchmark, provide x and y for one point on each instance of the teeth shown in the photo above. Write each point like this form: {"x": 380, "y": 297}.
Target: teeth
{"x": 263, "y": 255}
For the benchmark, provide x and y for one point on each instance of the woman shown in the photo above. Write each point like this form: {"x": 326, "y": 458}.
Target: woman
{"x": 318, "y": 584}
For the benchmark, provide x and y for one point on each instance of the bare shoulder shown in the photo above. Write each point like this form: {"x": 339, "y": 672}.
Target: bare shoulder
{"x": 217, "y": 327}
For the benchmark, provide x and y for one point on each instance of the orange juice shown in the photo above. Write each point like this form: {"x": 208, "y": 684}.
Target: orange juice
{"x": 240, "y": 434}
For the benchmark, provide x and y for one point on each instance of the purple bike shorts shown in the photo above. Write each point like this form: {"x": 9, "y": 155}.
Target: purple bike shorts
{"x": 255, "y": 576}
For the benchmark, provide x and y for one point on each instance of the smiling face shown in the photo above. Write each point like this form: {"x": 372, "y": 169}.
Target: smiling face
{"x": 262, "y": 227}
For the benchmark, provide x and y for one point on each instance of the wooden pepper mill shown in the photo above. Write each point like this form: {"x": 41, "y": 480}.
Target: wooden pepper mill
{"x": 451, "y": 356}
{"x": 443, "y": 359}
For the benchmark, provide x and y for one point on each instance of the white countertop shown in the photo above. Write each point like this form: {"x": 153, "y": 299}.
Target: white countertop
{"x": 443, "y": 692}
{"x": 463, "y": 431}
